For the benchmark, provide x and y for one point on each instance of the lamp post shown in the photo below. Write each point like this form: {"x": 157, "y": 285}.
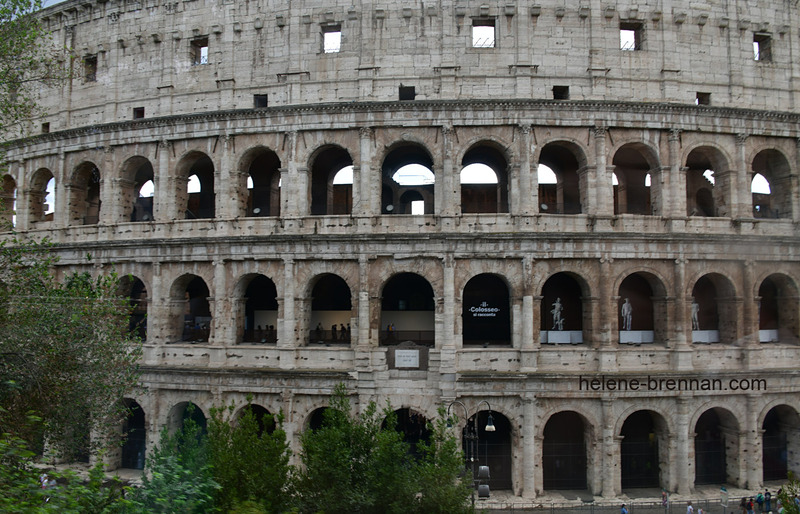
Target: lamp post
{"x": 471, "y": 440}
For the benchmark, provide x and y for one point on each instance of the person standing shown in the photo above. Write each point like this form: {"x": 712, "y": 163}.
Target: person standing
{"x": 689, "y": 508}
{"x": 623, "y": 510}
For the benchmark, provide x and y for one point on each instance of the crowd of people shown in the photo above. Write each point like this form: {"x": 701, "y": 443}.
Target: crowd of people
{"x": 762, "y": 503}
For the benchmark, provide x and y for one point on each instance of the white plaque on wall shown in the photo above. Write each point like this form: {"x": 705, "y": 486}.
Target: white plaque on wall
{"x": 406, "y": 358}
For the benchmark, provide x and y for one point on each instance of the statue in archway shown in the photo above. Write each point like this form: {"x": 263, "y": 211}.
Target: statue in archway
{"x": 695, "y": 315}
{"x": 558, "y": 320}
{"x": 627, "y": 314}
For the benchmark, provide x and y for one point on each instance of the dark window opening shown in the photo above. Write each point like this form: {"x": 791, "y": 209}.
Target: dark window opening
{"x": 90, "y": 68}
{"x": 259, "y": 101}
{"x": 631, "y": 35}
{"x": 407, "y": 92}
{"x": 198, "y": 52}
{"x": 703, "y": 98}
{"x": 560, "y": 92}
{"x": 762, "y": 47}
{"x": 138, "y": 113}
{"x": 46, "y": 127}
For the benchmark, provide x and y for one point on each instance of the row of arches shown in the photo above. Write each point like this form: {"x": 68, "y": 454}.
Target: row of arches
{"x": 408, "y": 184}
{"x": 408, "y": 309}
{"x": 570, "y": 444}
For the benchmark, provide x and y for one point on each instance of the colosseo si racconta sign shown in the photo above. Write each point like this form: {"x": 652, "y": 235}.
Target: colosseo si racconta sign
{"x": 484, "y": 310}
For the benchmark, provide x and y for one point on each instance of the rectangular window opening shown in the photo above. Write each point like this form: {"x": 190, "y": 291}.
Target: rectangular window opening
{"x": 259, "y": 101}
{"x": 703, "y": 99}
{"x": 46, "y": 127}
{"x": 331, "y": 39}
{"x": 762, "y": 47}
{"x": 138, "y": 113}
{"x": 199, "y": 51}
{"x": 631, "y": 35}
{"x": 90, "y": 68}
{"x": 408, "y": 92}
{"x": 483, "y": 34}
{"x": 560, "y": 92}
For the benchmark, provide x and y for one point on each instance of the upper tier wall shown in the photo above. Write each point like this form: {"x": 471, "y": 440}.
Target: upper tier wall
{"x": 145, "y": 51}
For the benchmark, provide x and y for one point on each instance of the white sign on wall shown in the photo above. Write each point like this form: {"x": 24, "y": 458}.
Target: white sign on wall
{"x": 484, "y": 311}
{"x": 406, "y": 358}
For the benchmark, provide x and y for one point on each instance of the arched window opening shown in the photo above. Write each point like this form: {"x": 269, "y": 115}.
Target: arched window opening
{"x": 8, "y": 204}
{"x": 139, "y": 193}
{"x": 136, "y": 292}
{"x": 264, "y": 419}
{"x": 264, "y": 184}
{"x": 327, "y": 197}
{"x": 716, "y": 448}
{"x": 200, "y": 202}
{"x": 632, "y": 170}
{"x": 780, "y": 448}
{"x": 407, "y": 310}
{"x": 407, "y": 169}
{"x": 559, "y": 183}
{"x": 776, "y": 202}
{"x": 486, "y": 312}
{"x": 413, "y": 426}
{"x": 134, "y": 433}
{"x": 704, "y": 196}
{"x": 778, "y": 310}
{"x": 561, "y": 311}
{"x": 636, "y": 311}
{"x": 644, "y": 450}
{"x": 705, "y": 318}
{"x": 85, "y": 195}
{"x": 564, "y": 456}
{"x": 261, "y": 311}
{"x": 317, "y": 419}
{"x": 491, "y": 449}
{"x": 196, "y": 312}
{"x": 331, "y": 311}
{"x": 184, "y": 411}
{"x": 484, "y": 181}
{"x": 42, "y": 196}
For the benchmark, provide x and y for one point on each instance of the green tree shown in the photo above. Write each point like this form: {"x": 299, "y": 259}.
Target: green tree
{"x": 787, "y": 495}
{"x": 65, "y": 350}
{"x": 178, "y": 477}
{"x": 361, "y": 464}
{"x": 250, "y": 460}
{"x": 28, "y": 59}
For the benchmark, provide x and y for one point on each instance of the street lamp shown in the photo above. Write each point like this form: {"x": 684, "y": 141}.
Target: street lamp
{"x": 471, "y": 440}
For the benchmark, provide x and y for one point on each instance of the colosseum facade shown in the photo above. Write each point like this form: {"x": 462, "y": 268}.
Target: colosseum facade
{"x": 509, "y": 204}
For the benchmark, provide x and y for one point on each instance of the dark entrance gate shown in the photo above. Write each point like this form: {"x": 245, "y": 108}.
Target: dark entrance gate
{"x": 639, "y": 452}
{"x": 564, "y": 452}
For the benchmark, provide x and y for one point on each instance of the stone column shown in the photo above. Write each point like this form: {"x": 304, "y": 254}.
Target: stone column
{"x": 24, "y": 197}
{"x": 366, "y": 202}
{"x": 753, "y": 472}
{"x": 681, "y": 471}
{"x": 750, "y": 316}
{"x": 601, "y": 195}
{"x": 287, "y": 330}
{"x": 164, "y": 207}
{"x": 607, "y": 321}
{"x": 681, "y": 330}
{"x": 525, "y": 195}
{"x": 447, "y": 190}
{"x": 529, "y": 447}
{"x": 157, "y": 296}
{"x": 226, "y": 181}
{"x": 222, "y": 326}
{"x": 110, "y": 193}
{"x": 61, "y": 213}
{"x": 794, "y": 185}
{"x": 741, "y": 198}
{"x": 674, "y": 203}
{"x": 611, "y": 482}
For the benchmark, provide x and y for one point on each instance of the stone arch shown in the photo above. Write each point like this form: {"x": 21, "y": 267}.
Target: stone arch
{"x": 773, "y": 165}
{"x": 642, "y": 309}
{"x": 486, "y": 311}
{"x": 399, "y": 156}
{"x": 563, "y": 312}
{"x": 137, "y": 205}
{"x": 780, "y": 445}
{"x": 8, "y": 203}
{"x": 567, "y": 196}
{"x": 259, "y": 188}
{"x": 714, "y": 310}
{"x": 414, "y": 427}
{"x": 190, "y": 310}
{"x": 407, "y": 310}
{"x": 183, "y": 411}
{"x": 42, "y": 196}
{"x": 256, "y": 309}
{"x": 778, "y": 309}
{"x": 198, "y": 204}
{"x": 263, "y": 417}
{"x": 708, "y": 184}
{"x": 325, "y": 197}
{"x": 315, "y": 418}
{"x": 567, "y": 438}
{"x": 633, "y": 163}
{"x": 134, "y": 432}
{"x": 330, "y": 310}
{"x": 644, "y": 450}
{"x": 84, "y": 194}
{"x": 481, "y": 195}
{"x": 135, "y": 290}
{"x": 493, "y": 449}
{"x": 716, "y": 447}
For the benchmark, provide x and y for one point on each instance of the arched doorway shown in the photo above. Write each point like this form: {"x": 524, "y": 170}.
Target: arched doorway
{"x": 493, "y": 448}
{"x": 780, "y": 446}
{"x": 407, "y": 184}
{"x": 564, "y": 462}
{"x": 8, "y": 203}
{"x": 42, "y": 196}
{"x": 774, "y": 200}
{"x": 316, "y": 419}
{"x": 706, "y": 183}
{"x": 716, "y": 448}
{"x": 778, "y": 310}
{"x": 486, "y": 311}
{"x": 134, "y": 432}
{"x": 633, "y": 163}
{"x": 138, "y": 189}
{"x": 562, "y": 310}
{"x": 327, "y": 197}
{"x": 484, "y": 180}
{"x": 644, "y": 440}
{"x": 559, "y": 183}
{"x": 637, "y": 309}
{"x": 263, "y": 418}
{"x": 260, "y": 311}
{"x": 192, "y": 310}
{"x": 198, "y": 198}
{"x": 263, "y": 183}
{"x": 84, "y": 202}
{"x": 184, "y": 411}
{"x": 413, "y": 426}
{"x": 331, "y": 311}
{"x": 407, "y": 310}
{"x": 135, "y": 290}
